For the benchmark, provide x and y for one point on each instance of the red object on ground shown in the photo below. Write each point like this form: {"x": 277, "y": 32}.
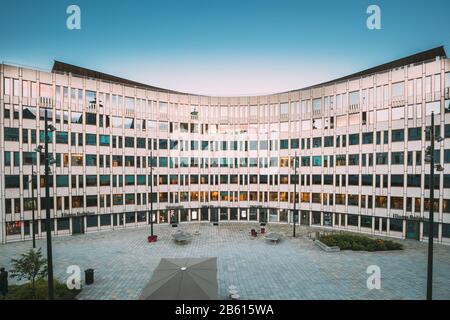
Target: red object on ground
{"x": 254, "y": 233}
{"x": 152, "y": 238}
{"x": 263, "y": 230}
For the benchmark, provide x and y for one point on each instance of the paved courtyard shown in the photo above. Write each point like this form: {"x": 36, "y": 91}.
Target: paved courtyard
{"x": 293, "y": 269}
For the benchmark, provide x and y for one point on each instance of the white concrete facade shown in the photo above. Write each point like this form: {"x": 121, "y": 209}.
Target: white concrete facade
{"x": 234, "y": 160}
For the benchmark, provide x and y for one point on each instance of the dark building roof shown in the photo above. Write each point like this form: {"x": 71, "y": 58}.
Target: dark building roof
{"x": 420, "y": 57}
{"x": 61, "y": 67}
{"x": 428, "y": 55}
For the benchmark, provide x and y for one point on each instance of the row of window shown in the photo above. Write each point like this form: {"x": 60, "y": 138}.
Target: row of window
{"x": 338, "y": 180}
{"x": 306, "y": 218}
{"x": 340, "y": 102}
{"x": 326, "y": 161}
{"x": 326, "y": 199}
{"x": 61, "y": 137}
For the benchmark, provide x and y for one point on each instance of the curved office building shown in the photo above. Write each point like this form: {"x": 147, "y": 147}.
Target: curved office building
{"x": 120, "y": 145}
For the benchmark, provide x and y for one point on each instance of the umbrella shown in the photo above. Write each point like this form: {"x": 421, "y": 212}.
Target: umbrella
{"x": 183, "y": 279}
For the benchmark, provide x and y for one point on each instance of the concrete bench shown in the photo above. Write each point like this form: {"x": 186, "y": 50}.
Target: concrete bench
{"x": 182, "y": 237}
{"x": 273, "y": 237}
{"x": 326, "y": 248}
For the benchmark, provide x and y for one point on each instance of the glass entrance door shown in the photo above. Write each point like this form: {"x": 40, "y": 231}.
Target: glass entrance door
{"x": 412, "y": 230}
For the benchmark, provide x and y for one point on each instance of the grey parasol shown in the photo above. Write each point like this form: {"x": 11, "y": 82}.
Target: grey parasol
{"x": 183, "y": 279}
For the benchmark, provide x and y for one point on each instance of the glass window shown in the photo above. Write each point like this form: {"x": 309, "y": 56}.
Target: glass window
{"x": 414, "y": 134}
{"x": 62, "y": 180}
{"x": 367, "y": 138}
{"x": 62, "y": 137}
{"x": 128, "y": 123}
{"x": 76, "y": 117}
{"x": 11, "y": 134}
{"x": 91, "y": 139}
{"x": 353, "y": 139}
{"x": 91, "y": 160}
{"x": 398, "y": 135}
{"x": 29, "y": 113}
{"x": 91, "y": 119}
{"x": 104, "y": 140}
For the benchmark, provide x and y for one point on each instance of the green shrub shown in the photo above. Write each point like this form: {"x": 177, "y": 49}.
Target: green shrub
{"x": 25, "y": 291}
{"x": 359, "y": 243}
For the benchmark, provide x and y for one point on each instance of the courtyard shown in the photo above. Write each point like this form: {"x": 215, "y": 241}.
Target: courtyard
{"x": 295, "y": 268}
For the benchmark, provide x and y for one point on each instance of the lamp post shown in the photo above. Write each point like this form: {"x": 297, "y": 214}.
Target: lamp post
{"x": 151, "y": 196}
{"x": 48, "y": 161}
{"x": 294, "y": 214}
{"x": 38, "y": 150}
{"x": 33, "y": 200}
{"x": 429, "y": 157}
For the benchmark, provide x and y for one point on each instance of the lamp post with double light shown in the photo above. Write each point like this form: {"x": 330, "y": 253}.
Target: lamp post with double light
{"x": 430, "y": 158}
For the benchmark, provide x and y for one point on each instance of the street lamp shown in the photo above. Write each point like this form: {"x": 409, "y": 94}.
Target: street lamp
{"x": 429, "y": 157}
{"x": 38, "y": 150}
{"x": 152, "y": 237}
{"x": 48, "y": 162}
{"x": 294, "y": 214}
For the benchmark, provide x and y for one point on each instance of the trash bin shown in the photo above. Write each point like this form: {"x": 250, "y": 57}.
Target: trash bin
{"x": 89, "y": 276}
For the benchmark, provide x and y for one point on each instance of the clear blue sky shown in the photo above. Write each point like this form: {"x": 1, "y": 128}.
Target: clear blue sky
{"x": 221, "y": 47}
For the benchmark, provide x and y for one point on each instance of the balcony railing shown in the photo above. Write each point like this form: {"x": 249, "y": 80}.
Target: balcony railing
{"x": 398, "y": 101}
{"x": 353, "y": 108}
{"x": 45, "y": 101}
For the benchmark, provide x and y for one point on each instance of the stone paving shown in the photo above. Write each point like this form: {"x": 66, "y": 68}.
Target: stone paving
{"x": 293, "y": 269}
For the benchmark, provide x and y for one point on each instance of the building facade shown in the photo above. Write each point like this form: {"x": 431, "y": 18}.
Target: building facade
{"x": 359, "y": 142}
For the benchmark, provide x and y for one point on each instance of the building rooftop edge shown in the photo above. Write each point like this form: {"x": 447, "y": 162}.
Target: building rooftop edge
{"x": 420, "y": 57}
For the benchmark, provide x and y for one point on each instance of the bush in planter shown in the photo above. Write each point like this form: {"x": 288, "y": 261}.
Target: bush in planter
{"x": 359, "y": 243}
{"x": 40, "y": 292}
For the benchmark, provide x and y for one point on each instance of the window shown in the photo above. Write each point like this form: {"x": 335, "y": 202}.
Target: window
{"x": 29, "y": 158}
{"x": 317, "y": 142}
{"x": 129, "y": 104}
{"x": 91, "y": 160}
{"x": 397, "y": 90}
{"x": 91, "y": 139}
{"x": 76, "y": 117}
{"x": 91, "y": 119}
{"x": 128, "y": 123}
{"x": 62, "y": 137}
{"x": 12, "y": 181}
{"x": 294, "y": 144}
{"x": 328, "y": 141}
{"x": 414, "y": 134}
{"x": 353, "y": 139}
{"x": 29, "y": 113}
{"x": 104, "y": 140}
{"x": 140, "y": 143}
{"x": 367, "y": 180}
{"x": 105, "y": 180}
{"x": 11, "y": 134}
{"x": 284, "y": 144}
{"x": 62, "y": 181}
{"x": 398, "y": 135}
{"x": 367, "y": 138}
{"x": 129, "y": 142}
{"x": 397, "y": 158}
{"x": 381, "y": 158}
{"x": 353, "y": 159}
{"x": 397, "y": 180}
